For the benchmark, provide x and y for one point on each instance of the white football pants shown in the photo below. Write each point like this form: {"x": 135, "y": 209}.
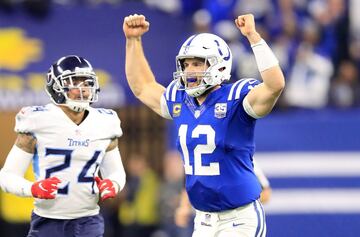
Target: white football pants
{"x": 244, "y": 221}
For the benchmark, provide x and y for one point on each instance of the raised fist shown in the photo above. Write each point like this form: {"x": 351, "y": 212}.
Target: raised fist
{"x": 135, "y": 26}
{"x": 246, "y": 24}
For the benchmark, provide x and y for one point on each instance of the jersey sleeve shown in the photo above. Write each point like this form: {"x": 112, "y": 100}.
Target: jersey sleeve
{"x": 237, "y": 94}
{"x": 164, "y": 108}
{"x": 170, "y": 99}
{"x": 24, "y": 121}
{"x": 115, "y": 128}
{"x": 107, "y": 122}
{"x": 241, "y": 88}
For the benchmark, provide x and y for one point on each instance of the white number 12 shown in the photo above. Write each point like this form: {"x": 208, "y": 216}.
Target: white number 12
{"x": 208, "y": 148}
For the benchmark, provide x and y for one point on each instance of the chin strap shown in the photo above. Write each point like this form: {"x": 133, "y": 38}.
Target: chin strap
{"x": 77, "y": 106}
{"x": 195, "y": 92}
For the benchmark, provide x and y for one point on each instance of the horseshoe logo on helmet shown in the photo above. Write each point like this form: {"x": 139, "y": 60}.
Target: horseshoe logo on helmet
{"x": 226, "y": 58}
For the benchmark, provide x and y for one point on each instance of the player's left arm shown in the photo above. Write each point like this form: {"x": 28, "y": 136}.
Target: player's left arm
{"x": 263, "y": 97}
{"x": 183, "y": 211}
{"x": 112, "y": 172}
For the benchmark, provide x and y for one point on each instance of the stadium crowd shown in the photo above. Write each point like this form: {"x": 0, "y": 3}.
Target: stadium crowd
{"x": 316, "y": 41}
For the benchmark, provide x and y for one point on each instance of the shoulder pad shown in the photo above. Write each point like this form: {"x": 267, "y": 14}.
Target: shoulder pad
{"x": 111, "y": 121}
{"x": 25, "y": 120}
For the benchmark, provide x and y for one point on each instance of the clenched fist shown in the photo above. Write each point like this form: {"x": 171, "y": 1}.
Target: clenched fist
{"x": 246, "y": 24}
{"x": 135, "y": 26}
{"x": 45, "y": 189}
{"x": 106, "y": 187}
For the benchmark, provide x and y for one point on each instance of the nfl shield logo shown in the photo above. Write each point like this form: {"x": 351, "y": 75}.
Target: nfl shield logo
{"x": 220, "y": 110}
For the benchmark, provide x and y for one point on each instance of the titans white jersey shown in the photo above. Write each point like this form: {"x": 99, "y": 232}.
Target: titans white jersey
{"x": 216, "y": 140}
{"x": 70, "y": 152}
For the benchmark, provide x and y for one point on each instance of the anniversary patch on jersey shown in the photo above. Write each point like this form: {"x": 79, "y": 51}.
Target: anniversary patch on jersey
{"x": 176, "y": 110}
{"x": 220, "y": 110}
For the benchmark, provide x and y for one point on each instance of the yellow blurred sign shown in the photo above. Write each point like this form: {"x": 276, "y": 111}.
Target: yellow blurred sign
{"x": 15, "y": 209}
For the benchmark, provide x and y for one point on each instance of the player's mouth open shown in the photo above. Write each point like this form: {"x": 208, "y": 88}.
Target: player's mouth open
{"x": 192, "y": 81}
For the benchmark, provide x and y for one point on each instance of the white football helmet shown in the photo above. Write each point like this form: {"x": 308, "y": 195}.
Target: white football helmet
{"x": 61, "y": 79}
{"x": 217, "y": 56}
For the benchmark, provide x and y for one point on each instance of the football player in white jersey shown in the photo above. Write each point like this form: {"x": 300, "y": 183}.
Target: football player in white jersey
{"x": 215, "y": 122}
{"x": 68, "y": 142}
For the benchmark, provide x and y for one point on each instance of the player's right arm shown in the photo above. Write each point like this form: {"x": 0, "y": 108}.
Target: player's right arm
{"x": 17, "y": 162}
{"x": 138, "y": 73}
{"x": 26, "y": 142}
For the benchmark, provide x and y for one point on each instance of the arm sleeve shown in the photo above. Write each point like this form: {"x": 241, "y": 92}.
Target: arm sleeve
{"x": 113, "y": 169}
{"x": 12, "y": 174}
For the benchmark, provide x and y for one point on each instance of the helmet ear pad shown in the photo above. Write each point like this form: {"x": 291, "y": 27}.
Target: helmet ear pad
{"x": 51, "y": 89}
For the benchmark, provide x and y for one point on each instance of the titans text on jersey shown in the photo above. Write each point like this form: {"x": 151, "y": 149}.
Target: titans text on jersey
{"x": 70, "y": 152}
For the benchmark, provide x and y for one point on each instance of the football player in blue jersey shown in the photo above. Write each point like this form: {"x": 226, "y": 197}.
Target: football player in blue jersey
{"x": 184, "y": 211}
{"x": 68, "y": 142}
{"x": 215, "y": 122}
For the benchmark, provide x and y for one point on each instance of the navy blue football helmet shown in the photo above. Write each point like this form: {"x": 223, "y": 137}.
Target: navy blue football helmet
{"x": 68, "y": 73}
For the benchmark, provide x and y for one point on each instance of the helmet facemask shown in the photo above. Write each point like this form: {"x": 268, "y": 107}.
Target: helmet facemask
{"x": 217, "y": 57}
{"x": 85, "y": 88}
{"x": 76, "y": 88}
{"x": 195, "y": 82}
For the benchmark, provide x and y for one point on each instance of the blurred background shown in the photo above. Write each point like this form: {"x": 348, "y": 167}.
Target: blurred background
{"x": 309, "y": 147}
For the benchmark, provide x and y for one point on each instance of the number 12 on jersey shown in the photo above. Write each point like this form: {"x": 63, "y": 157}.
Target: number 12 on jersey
{"x": 208, "y": 148}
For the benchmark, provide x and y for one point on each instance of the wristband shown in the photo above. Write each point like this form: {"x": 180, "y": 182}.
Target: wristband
{"x": 264, "y": 56}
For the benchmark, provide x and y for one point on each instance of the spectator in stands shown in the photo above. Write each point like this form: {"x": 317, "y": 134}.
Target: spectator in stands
{"x": 309, "y": 79}
{"x": 345, "y": 88}
{"x": 171, "y": 187}
{"x": 138, "y": 213}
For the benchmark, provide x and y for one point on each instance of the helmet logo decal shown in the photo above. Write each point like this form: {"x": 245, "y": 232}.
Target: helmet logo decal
{"x": 188, "y": 44}
{"x": 221, "y": 53}
{"x": 48, "y": 78}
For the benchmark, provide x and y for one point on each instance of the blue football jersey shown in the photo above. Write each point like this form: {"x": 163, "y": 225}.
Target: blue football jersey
{"x": 216, "y": 140}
